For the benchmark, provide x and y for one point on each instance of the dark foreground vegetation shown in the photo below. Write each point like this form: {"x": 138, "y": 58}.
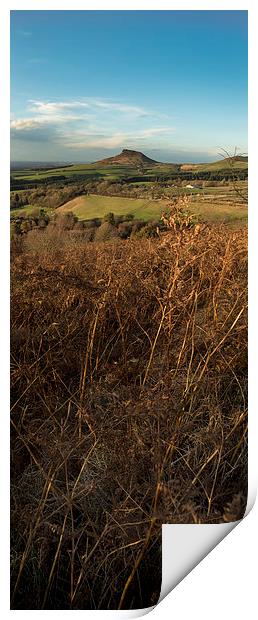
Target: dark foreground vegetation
{"x": 129, "y": 363}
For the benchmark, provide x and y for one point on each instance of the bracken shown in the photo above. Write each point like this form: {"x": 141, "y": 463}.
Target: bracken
{"x": 129, "y": 409}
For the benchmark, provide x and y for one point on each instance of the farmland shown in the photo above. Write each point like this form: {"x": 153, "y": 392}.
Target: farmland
{"x": 216, "y": 191}
{"x": 209, "y": 209}
{"x": 90, "y": 206}
{"x": 135, "y": 171}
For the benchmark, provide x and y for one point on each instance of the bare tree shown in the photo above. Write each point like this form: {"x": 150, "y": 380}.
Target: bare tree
{"x": 231, "y": 159}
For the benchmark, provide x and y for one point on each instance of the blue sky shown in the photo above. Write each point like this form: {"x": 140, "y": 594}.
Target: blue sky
{"x": 85, "y": 84}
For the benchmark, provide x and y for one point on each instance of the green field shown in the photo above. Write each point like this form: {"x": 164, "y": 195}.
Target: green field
{"x": 219, "y": 212}
{"x": 27, "y": 210}
{"x": 219, "y": 165}
{"x": 88, "y": 170}
{"x": 46, "y": 174}
{"x": 90, "y": 206}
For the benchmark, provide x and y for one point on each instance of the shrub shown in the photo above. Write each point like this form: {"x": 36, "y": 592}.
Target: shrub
{"x": 35, "y": 213}
{"x": 148, "y": 230}
{"x": 137, "y": 225}
{"x": 177, "y": 217}
{"x": 14, "y": 230}
{"x": 125, "y": 229}
{"x": 110, "y": 218}
{"x": 65, "y": 221}
{"x": 17, "y": 244}
{"x": 25, "y": 226}
{"x": 129, "y": 217}
{"x": 89, "y": 233}
{"x": 42, "y": 222}
{"x": 92, "y": 223}
{"x": 105, "y": 232}
{"x": 79, "y": 225}
{"x": 16, "y": 227}
{"x": 118, "y": 219}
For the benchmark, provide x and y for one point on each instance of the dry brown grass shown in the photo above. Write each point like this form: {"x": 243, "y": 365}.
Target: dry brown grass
{"x": 129, "y": 410}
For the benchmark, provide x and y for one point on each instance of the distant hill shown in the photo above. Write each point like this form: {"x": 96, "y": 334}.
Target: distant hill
{"x": 238, "y": 162}
{"x": 37, "y": 165}
{"x": 128, "y": 158}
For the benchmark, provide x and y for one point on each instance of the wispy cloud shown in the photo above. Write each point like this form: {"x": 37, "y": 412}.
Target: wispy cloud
{"x": 88, "y": 123}
{"x": 156, "y": 131}
{"x": 118, "y": 139}
{"x": 34, "y": 131}
{"x": 26, "y": 123}
{"x": 47, "y": 107}
{"x": 119, "y": 107}
{"x": 50, "y": 107}
{"x": 90, "y": 142}
{"x": 30, "y": 123}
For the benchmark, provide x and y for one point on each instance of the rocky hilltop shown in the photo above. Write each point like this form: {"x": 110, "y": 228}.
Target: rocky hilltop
{"x": 128, "y": 158}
